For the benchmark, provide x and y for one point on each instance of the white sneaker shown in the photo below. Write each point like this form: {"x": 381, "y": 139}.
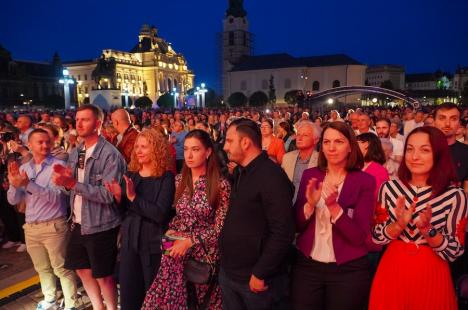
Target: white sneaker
{"x": 45, "y": 305}
{"x": 9, "y": 244}
{"x": 21, "y": 248}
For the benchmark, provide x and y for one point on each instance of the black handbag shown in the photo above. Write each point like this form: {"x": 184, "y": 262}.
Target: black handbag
{"x": 199, "y": 272}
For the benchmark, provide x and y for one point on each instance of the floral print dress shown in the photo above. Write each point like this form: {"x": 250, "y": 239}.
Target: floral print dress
{"x": 194, "y": 218}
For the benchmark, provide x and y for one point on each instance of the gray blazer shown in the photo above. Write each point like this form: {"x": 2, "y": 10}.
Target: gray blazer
{"x": 289, "y": 162}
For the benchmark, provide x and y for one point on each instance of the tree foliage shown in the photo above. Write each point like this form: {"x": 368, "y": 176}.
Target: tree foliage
{"x": 166, "y": 101}
{"x": 143, "y": 102}
{"x": 237, "y": 99}
{"x": 293, "y": 96}
{"x": 258, "y": 99}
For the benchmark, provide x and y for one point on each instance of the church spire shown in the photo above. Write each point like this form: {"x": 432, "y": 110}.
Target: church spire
{"x": 236, "y": 9}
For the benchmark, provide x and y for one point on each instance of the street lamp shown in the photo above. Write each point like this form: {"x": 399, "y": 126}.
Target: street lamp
{"x": 66, "y": 81}
{"x": 175, "y": 94}
{"x": 202, "y": 91}
{"x": 197, "y": 94}
{"x": 133, "y": 101}
{"x": 330, "y": 101}
{"x": 374, "y": 100}
{"x": 125, "y": 93}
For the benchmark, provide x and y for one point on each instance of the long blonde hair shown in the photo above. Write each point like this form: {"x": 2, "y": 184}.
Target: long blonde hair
{"x": 159, "y": 157}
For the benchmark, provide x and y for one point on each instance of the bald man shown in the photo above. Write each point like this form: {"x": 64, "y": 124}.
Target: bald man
{"x": 24, "y": 124}
{"x": 127, "y": 133}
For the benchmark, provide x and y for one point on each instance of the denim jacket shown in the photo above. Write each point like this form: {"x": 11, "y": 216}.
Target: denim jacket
{"x": 99, "y": 211}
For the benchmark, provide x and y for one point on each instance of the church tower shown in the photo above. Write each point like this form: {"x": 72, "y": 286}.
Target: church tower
{"x": 236, "y": 40}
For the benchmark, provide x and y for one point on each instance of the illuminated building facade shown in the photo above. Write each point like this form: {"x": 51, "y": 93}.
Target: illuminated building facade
{"x": 152, "y": 68}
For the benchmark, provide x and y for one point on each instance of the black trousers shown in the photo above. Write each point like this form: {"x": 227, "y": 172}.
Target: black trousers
{"x": 316, "y": 285}
{"x": 460, "y": 266}
{"x": 136, "y": 274}
{"x": 12, "y": 219}
{"x": 238, "y": 296}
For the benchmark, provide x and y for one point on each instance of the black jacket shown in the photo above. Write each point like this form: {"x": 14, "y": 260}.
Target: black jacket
{"x": 259, "y": 226}
{"x": 149, "y": 214}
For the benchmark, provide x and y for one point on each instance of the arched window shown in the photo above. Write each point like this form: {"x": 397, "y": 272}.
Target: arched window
{"x": 336, "y": 83}
{"x": 231, "y": 38}
{"x": 287, "y": 83}
{"x": 316, "y": 86}
{"x": 264, "y": 84}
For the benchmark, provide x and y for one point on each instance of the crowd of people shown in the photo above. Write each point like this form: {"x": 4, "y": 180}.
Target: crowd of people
{"x": 240, "y": 209}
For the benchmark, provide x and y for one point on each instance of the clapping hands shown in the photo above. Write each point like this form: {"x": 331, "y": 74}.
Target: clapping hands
{"x": 116, "y": 190}
{"x": 16, "y": 177}
{"x": 63, "y": 176}
{"x": 403, "y": 215}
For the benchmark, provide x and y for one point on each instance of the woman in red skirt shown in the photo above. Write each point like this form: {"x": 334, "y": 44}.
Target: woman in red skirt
{"x": 422, "y": 217}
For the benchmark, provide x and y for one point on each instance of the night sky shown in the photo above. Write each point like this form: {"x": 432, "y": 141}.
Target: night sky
{"x": 421, "y": 35}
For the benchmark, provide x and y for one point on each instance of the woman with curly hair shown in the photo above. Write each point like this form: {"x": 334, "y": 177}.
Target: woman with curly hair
{"x": 201, "y": 202}
{"x": 147, "y": 200}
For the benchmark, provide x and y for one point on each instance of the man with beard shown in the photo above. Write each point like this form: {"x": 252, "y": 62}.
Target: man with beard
{"x": 382, "y": 127}
{"x": 447, "y": 119}
{"x": 259, "y": 226}
{"x": 92, "y": 250}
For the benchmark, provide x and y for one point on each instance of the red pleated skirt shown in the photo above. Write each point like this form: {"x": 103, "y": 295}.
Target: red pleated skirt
{"x": 411, "y": 277}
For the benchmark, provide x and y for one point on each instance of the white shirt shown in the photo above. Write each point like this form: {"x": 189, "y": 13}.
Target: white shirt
{"x": 399, "y": 138}
{"x": 397, "y": 147}
{"x": 410, "y": 125}
{"x": 357, "y": 132}
{"x": 78, "y": 202}
{"x": 322, "y": 250}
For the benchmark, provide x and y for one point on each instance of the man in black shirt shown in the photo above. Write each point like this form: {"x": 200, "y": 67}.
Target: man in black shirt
{"x": 259, "y": 226}
{"x": 447, "y": 119}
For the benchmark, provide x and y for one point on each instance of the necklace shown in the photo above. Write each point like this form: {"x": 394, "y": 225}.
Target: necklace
{"x": 335, "y": 181}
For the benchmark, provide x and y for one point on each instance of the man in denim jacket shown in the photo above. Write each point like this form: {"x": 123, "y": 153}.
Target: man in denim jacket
{"x": 92, "y": 250}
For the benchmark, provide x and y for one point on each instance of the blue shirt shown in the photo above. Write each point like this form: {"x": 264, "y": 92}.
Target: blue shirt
{"x": 44, "y": 200}
{"x": 24, "y": 136}
{"x": 179, "y": 144}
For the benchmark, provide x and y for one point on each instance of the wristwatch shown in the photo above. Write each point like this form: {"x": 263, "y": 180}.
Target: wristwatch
{"x": 432, "y": 232}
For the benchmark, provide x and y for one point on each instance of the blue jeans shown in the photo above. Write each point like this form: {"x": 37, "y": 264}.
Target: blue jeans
{"x": 238, "y": 296}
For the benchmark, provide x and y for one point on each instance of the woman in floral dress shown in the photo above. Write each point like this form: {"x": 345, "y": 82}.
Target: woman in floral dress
{"x": 201, "y": 202}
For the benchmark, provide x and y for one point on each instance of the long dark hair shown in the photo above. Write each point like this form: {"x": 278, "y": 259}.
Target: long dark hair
{"x": 213, "y": 174}
{"x": 375, "y": 151}
{"x": 355, "y": 160}
{"x": 443, "y": 173}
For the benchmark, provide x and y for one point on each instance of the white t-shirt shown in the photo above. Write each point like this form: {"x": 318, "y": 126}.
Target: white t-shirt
{"x": 38, "y": 167}
{"x": 397, "y": 147}
{"x": 410, "y": 125}
{"x": 78, "y": 202}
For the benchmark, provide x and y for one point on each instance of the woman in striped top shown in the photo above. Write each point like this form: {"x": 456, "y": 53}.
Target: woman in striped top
{"x": 422, "y": 217}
